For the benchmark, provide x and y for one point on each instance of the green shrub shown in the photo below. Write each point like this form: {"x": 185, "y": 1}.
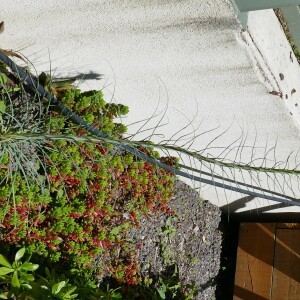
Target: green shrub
{"x": 19, "y": 281}
{"x": 79, "y": 200}
{"x": 27, "y": 281}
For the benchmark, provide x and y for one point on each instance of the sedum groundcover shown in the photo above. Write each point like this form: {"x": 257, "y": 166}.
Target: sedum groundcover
{"x": 68, "y": 200}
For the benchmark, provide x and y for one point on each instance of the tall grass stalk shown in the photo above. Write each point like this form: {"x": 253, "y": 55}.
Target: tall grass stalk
{"x": 284, "y": 181}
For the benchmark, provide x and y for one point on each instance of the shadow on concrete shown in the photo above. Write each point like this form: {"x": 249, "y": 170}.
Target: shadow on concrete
{"x": 261, "y": 214}
{"x": 82, "y": 76}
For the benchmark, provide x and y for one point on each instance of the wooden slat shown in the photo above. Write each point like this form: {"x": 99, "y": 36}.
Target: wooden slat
{"x": 254, "y": 261}
{"x": 288, "y": 225}
{"x": 286, "y": 275}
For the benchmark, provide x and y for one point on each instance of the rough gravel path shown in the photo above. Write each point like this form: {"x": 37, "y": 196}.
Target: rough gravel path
{"x": 190, "y": 240}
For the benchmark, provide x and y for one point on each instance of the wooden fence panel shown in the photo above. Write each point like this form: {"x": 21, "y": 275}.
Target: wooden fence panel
{"x": 286, "y": 275}
{"x": 254, "y": 261}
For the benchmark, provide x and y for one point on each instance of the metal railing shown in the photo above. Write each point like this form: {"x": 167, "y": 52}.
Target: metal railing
{"x": 291, "y": 15}
{"x": 290, "y": 10}
{"x": 249, "y": 5}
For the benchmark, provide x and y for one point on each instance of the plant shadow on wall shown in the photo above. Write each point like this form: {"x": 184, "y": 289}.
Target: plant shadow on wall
{"x": 72, "y": 188}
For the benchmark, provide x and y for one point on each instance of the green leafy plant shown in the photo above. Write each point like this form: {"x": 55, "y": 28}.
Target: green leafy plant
{"x": 53, "y": 286}
{"x": 171, "y": 288}
{"x": 20, "y": 282}
{"x": 17, "y": 275}
{"x": 109, "y": 294}
{"x": 165, "y": 285}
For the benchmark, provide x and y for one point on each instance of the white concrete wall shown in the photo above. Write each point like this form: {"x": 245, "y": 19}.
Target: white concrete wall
{"x": 188, "y": 55}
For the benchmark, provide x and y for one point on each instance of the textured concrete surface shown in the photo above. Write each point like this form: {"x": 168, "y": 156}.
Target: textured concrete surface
{"x": 188, "y": 56}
